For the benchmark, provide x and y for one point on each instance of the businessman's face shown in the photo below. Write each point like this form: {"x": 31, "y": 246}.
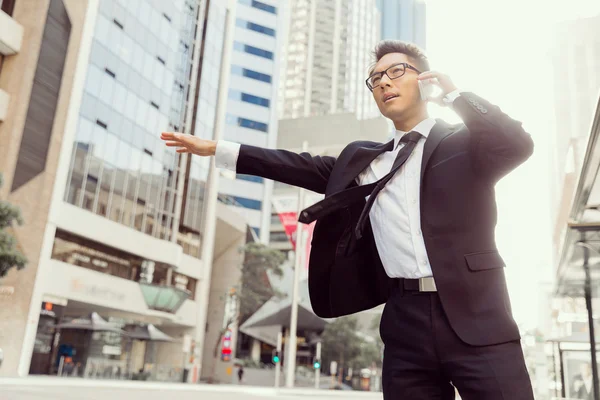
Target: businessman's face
{"x": 398, "y": 98}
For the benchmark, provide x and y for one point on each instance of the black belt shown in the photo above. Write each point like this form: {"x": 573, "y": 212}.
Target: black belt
{"x": 416, "y": 285}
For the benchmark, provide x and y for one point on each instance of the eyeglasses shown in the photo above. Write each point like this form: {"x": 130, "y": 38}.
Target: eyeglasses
{"x": 393, "y": 72}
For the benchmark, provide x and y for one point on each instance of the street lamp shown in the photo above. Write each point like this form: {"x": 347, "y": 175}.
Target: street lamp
{"x": 588, "y": 302}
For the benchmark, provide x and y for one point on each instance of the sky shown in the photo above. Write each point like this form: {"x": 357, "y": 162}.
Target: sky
{"x": 499, "y": 50}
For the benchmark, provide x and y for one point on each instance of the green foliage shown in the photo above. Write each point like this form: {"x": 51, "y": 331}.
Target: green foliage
{"x": 340, "y": 342}
{"x": 255, "y": 288}
{"x": 370, "y": 352}
{"x": 10, "y": 257}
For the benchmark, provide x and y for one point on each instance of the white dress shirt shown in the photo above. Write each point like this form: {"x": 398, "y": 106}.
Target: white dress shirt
{"x": 395, "y": 215}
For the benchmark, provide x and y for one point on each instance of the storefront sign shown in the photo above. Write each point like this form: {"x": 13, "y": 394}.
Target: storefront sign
{"x": 111, "y": 350}
{"x": 96, "y": 291}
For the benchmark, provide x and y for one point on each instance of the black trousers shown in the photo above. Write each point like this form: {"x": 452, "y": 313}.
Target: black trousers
{"x": 425, "y": 359}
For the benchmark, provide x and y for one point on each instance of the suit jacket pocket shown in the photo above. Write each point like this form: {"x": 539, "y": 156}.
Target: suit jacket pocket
{"x": 484, "y": 260}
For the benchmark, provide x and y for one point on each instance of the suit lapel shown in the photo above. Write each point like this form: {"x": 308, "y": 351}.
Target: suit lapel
{"x": 438, "y": 133}
{"x": 362, "y": 157}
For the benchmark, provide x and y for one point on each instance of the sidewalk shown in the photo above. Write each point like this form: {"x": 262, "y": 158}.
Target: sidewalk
{"x": 87, "y": 384}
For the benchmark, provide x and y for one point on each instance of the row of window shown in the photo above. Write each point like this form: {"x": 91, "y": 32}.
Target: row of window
{"x": 255, "y": 27}
{"x": 249, "y": 178}
{"x": 248, "y": 203}
{"x": 253, "y": 50}
{"x": 259, "y": 5}
{"x": 249, "y": 98}
{"x": 248, "y": 73}
{"x": 247, "y": 123}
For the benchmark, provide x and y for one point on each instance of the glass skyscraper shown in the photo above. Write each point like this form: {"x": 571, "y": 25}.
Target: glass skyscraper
{"x": 137, "y": 77}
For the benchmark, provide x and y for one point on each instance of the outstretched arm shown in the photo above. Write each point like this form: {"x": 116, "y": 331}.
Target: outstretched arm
{"x": 301, "y": 170}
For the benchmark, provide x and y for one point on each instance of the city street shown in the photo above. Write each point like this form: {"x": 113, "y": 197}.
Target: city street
{"x": 75, "y": 389}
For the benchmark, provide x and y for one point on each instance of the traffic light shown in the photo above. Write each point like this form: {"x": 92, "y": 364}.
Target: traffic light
{"x": 276, "y": 358}
{"x": 317, "y": 363}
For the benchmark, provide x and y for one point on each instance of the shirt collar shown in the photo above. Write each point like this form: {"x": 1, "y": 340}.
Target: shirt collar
{"x": 423, "y": 127}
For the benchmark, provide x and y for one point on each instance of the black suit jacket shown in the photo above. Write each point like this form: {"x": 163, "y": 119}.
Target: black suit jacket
{"x": 460, "y": 167}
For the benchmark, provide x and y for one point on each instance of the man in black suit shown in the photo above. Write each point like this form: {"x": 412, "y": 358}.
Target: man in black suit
{"x": 410, "y": 223}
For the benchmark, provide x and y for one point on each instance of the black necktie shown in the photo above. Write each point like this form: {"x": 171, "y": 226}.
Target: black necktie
{"x": 352, "y": 195}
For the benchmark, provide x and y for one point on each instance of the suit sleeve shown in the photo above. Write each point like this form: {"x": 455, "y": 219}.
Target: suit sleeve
{"x": 498, "y": 143}
{"x": 303, "y": 170}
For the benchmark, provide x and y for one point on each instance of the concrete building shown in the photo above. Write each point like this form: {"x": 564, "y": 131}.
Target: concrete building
{"x": 326, "y": 135}
{"x": 575, "y": 196}
{"x": 576, "y": 62}
{"x": 326, "y": 58}
{"x": 114, "y": 220}
{"x": 251, "y": 108}
{"x": 404, "y": 20}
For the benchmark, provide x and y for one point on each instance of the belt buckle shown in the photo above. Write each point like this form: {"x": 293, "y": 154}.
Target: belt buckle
{"x": 427, "y": 285}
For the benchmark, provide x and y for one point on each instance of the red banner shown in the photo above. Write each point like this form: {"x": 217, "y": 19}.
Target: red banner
{"x": 287, "y": 209}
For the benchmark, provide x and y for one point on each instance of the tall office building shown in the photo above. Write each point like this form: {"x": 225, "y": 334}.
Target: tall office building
{"x": 251, "y": 107}
{"x": 404, "y": 20}
{"x": 326, "y": 58}
{"x": 114, "y": 227}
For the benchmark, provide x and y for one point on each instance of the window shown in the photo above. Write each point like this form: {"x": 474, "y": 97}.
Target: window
{"x": 247, "y": 123}
{"x": 248, "y": 98}
{"x": 260, "y": 101}
{"x": 249, "y": 178}
{"x": 278, "y": 237}
{"x": 259, "y": 5}
{"x": 248, "y": 73}
{"x": 253, "y": 50}
{"x": 264, "y": 7}
{"x": 255, "y": 27}
{"x": 117, "y": 23}
{"x": 248, "y": 203}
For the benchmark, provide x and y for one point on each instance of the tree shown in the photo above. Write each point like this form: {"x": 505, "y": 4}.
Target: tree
{"x": 370, "y": 352}
{"x": 255, "y": 289}
{"x": 340, "y": 342}
{"x": 10, "y": 256}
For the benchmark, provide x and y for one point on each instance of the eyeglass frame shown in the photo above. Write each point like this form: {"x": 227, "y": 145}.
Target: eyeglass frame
{"x": 405, "y": 65}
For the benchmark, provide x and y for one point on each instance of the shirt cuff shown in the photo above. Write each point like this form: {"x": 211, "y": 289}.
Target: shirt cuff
{"x": 450, "y": 97}
{"x": 227, "y": 154}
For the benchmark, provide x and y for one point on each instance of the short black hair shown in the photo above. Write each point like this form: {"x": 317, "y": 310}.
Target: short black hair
{"x": 414, "y": 52}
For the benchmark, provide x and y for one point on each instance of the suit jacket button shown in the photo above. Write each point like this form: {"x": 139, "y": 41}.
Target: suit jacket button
{"x": 484, "y": 111}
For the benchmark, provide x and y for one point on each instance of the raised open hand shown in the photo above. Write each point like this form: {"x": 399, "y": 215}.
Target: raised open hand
{"x": 189, "y": 144}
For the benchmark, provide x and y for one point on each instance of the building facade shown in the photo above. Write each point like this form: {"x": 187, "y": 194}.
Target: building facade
{"x": 404, "y": 20}
{"x": 326, "y": 58}
{"x": 251, "y": 107}
{"x": 114, "y": 219}
{"x": 576, "y": 62}
{"x": 575, "y": 195}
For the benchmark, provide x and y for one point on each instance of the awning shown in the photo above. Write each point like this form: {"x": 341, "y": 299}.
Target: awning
{"x": 148, "y": 333}
{"x": 93, "y": 322}
{"x": 163, "y": 298}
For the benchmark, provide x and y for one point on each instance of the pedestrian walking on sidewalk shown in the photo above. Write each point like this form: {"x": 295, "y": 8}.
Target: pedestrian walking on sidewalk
{"x": 241, "y": 374}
